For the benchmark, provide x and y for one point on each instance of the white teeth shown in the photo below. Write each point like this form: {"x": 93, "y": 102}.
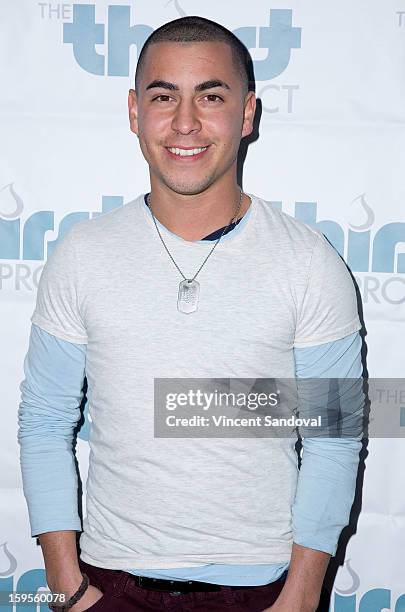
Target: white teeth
{"x": 186, "y": 152}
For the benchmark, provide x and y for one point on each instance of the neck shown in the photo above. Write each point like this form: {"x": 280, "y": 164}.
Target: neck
{"x": 193, "y": 217}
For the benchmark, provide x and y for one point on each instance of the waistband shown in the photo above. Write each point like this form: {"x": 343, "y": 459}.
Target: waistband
{"x": 189, "y": 586}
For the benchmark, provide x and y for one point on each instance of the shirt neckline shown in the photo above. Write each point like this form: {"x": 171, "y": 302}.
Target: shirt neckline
{"x": 216, "y": 233}
{"x": 237, "y": 232}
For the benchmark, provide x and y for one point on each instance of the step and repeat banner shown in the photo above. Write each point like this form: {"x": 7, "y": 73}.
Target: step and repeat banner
{"x": 330, "y": 151}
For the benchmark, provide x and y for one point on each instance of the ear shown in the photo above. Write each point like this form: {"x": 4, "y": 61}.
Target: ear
{"x": 133, "y": 111}
{"x": 248, "y": 113}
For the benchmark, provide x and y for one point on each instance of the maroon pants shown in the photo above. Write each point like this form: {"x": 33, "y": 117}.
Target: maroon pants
{"x": 121, "y": 594}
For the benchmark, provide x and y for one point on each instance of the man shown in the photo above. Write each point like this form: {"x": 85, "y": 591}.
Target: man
{"x": 195, "y": 280}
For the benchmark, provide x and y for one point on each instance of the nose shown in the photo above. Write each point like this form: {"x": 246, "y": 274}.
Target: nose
{"x": 185, "y": 120}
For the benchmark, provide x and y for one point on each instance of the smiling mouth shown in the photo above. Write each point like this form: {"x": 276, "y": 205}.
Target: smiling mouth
{"x": 191, "y": 152}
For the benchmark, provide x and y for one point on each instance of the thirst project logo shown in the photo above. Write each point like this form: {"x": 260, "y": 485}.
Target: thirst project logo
{"x": 275, "y": 41}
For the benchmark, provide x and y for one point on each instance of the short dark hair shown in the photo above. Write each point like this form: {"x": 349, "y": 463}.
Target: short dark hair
{"x": 198, "y": 29}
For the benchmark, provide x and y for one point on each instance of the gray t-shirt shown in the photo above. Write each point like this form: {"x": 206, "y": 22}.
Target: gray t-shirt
{"x": 272, "y": 284}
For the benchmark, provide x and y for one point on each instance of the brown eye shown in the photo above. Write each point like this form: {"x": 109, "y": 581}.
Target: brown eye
{"x": 213, "y": 98}
{"x": 162, "y": 98}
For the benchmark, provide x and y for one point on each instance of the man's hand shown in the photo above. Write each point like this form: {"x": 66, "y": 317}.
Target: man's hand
{"x": 91, "y": 595}
{"x": 276, "y": 607}
{"x": 289, "y": 601}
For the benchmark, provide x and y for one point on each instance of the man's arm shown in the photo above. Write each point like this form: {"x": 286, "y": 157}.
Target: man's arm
{"x": 305, "y": 577}
{"x": 59, "y": 550}
{"x": 326, "y": 482}
{"x": 63, "y": 573}
{"x": 49, "y": 411}
{"x": 325, "y": 493}
{"x": 51, "y": 395}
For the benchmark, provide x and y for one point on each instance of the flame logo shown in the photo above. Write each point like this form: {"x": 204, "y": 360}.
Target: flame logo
{"x": 362, "y": 204}
{"x": 355, "y": 578}
{"x": 12, "y": 561}
{"x": 178, "y": 8}
{"x": 10, "y": 196}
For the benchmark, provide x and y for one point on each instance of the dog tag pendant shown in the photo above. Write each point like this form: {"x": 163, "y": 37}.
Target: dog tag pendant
{"x": 187, "y": 300}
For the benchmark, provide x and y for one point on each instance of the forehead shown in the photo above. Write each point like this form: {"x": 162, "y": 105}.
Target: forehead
{"x": 174, "y": 61}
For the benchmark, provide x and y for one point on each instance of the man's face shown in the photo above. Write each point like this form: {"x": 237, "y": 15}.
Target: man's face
{"x": 190, "y": 113}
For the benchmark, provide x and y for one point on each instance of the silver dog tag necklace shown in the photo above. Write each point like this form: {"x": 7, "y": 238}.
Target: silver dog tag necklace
{"x": 189, "y": 288}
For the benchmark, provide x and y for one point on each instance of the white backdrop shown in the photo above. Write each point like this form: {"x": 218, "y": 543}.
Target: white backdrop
{"x": 331, "y": 149}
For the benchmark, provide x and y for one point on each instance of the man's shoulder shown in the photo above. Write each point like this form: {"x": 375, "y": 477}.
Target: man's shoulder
{"x": 286, "y": 228}
{"x": 109, "y": 224}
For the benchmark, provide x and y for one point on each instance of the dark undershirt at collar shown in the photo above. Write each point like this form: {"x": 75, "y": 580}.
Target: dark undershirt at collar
{"x": 214, "y": 235}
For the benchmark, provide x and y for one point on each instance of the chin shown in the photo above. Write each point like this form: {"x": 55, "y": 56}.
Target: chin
{"x": 189, "y": 187}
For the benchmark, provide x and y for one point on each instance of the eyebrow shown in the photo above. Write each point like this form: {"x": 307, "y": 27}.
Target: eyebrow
{"x": 158, "y": 83}
{"x": 211, "y": 84}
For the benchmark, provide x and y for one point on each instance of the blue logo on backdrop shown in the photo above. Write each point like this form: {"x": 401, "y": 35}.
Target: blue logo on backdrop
{"x": 27, "y": 241}
{"x": 83, "y": 33}
{"x": 384, "y": 242}
{"x": 28, "y": 582}
{"x": 374, "y": 600}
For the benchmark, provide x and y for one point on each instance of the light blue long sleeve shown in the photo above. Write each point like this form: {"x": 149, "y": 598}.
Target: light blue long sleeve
{"x": 51, "y": 395}
{"x": 48, "y": 413}
{"x": 327, "y": 479}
